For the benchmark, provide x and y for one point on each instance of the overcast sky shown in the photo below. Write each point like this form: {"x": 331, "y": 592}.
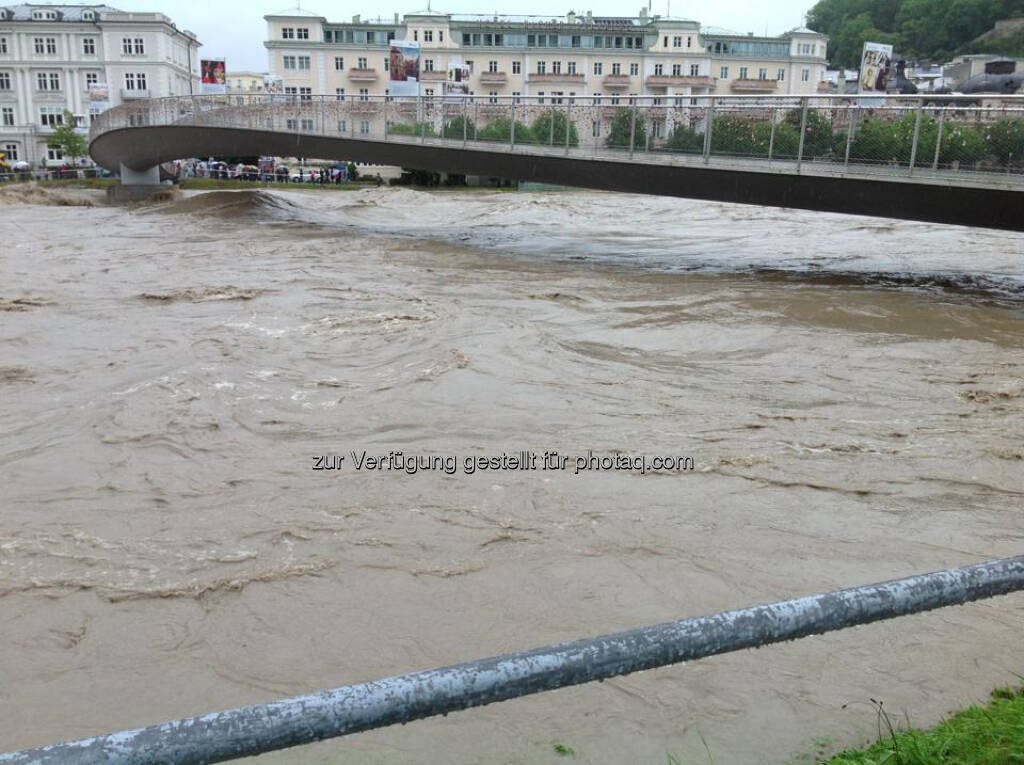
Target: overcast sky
{"x": 235, "y": 29}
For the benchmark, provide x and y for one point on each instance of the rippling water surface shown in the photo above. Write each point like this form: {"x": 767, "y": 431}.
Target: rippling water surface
{"x": 851, "y": 390}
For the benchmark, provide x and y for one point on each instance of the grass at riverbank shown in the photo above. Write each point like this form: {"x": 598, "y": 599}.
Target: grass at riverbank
{"x": 992, "y": 734}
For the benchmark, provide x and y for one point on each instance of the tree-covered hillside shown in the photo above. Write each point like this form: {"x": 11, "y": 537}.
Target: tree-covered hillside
{"x": 925, "y": 29}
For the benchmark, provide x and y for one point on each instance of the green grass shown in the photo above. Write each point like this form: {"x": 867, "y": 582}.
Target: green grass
{"x": 992, "y": 734}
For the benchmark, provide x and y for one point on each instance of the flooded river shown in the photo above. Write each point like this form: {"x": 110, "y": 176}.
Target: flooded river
{"x": 851, "y": 392}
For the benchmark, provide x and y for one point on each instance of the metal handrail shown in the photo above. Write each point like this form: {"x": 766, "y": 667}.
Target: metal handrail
{"x": 304, "y": 719}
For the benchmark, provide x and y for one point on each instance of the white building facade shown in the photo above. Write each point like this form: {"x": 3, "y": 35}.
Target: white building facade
{"x": 85, "y": 59}
{"x": 564, "y": 57}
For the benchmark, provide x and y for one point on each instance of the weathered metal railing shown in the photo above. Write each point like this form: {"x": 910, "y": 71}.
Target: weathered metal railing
{"x": 930, "y": 137}
{"x": 305, "y": 719}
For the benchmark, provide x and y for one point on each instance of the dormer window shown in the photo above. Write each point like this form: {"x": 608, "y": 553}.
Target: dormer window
{"x": 88, "y": 15}
{"x": 43, "y": 15}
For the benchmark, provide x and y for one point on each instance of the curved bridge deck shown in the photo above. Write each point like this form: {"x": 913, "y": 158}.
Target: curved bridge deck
{"x": 806, "y": 153}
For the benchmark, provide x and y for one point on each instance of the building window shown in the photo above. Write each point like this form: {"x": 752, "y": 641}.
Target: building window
{"x": 302, "y": 33}
{"x": 88, "y": 46}
{"x": 542, "y": 67}
{"x": 8, "y": 116}
{"x": 361, "y": 63}
{"x": 517, "y": 67}
{"x": 677, "y": 70}
{"x": 440, "y": 35}
{"x": 289, "y": 62}
{"x": 415, "y": 34}
{"x": 364, "y": 94}
{"x": 3, "y": 45}
{"x": 428, "y": 65}
{"x": 288, "y": 33}
{"x": 339, "y": 63}
{"x": 126, "y": 46}
{"x": 305, "y": 94}
{"x": 556, "y": 67}
{"x": 492, "y": 66}
{"x": 342, "y": 126}
{"x": 48, "y": 80}
{"x": 634, "y": 69}
{"x": 743, "y": 73}
{"x": 595, "y": 128}
{"x": 54, "y": 155}
{"x": 571, "y": 67}
{"x": 428, "y": 35}
{"x": 659, "y": 69}
{"x": 304, "y": 62}
{"x": 364, "y": 127}
{"x": 492, "y": 96}
{"x": 44, "y": 15}
{"x": 723, "y": 73}
{"x": 516, "y": 96}
{"x": 616, "y": 68}
{"x": 339, "y": 93}
{"x": 597, "y": 67}
{"x": 307, "y": 125}
{"x": 540, "y": 97}
{"x": 291, "y": 124}
{"x": 805, "y": 75}
{"x": 135, "y": 81}
{"x": 689, "y": 42}
{"x": 781, "y": 75}
{"x": 11, "y": 150}
{"x": 91, "y": 78}
{"x": 51, "y": 116}
{"x": 45, "y": 45}
{"x": 5, "y": 80}
{"x": 576, "y": 41}
{"x": 762, "y": 74}
{"x": 695, "y": 70}
{"x": 139, "y": 47}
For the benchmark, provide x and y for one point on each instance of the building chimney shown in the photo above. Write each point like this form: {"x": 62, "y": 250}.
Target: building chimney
{"x": 355, "y": 19}
{"x": 643, "y": 14}
{"x": 590, "y": 17}
{"x": 570, "y": 17}
{"x": 396, "y": 17}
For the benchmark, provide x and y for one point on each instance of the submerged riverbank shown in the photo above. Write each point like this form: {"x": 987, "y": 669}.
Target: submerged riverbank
{"x": 851, "y": 392}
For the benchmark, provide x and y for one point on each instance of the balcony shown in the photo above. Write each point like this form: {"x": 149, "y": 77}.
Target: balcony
{"x": 362, "y": 75}
{"x": 433, "y": 76}
{"x": 676, "y": 80}
{"x": 617, "y": 81}
{"x": 131, "y": 95}
{"x": 493, "y": 78}
{"x": 553, "y": 77}
{"x": 754, "y": 86}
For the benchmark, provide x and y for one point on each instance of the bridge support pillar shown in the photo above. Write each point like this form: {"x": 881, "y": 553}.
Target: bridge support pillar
{"x": 135, "y": 185}
{"x": 148, "y": 177}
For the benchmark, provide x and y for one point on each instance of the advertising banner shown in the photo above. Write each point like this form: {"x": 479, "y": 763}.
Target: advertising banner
{"x": 457, "y": 82}
{"x": 99, "y": 93}
{"x": 875, "y": 63}
{"x": 214, "y": 75}
{"x": 404, "y": 68}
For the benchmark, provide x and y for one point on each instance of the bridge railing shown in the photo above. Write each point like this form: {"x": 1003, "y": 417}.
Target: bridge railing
{"x": 946, "y": 138}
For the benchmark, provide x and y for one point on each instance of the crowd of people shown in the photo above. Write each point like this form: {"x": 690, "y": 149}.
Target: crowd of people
{"x": 269, "y": 171}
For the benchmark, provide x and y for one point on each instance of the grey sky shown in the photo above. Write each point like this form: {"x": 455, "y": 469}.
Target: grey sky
{"x": 235, "y": 29}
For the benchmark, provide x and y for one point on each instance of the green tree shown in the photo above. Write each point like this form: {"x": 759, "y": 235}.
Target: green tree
{"x": 683, "y": 139}
{"x": 818, "y": 138}
{"x": 1005, "y": 141}
{"x": 549, "y": 128}
{"x": 67, "y": 140}
{"x": 453, "y": 128}
{"x": 618, "y": 135}
{"x": 501, "y": 130}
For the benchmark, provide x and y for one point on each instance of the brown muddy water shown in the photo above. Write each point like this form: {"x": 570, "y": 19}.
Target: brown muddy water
{"x": 851, "y": 391}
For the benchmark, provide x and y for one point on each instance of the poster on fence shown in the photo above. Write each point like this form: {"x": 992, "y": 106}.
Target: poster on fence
{"x": 404, "y": 68}
{"x": 457, "y": 81}
{"x": 875, "y": 63}
{"x": 214, "y": 76}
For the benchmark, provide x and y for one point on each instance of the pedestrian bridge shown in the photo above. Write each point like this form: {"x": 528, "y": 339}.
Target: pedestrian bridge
{"x": 947, "y": 159}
